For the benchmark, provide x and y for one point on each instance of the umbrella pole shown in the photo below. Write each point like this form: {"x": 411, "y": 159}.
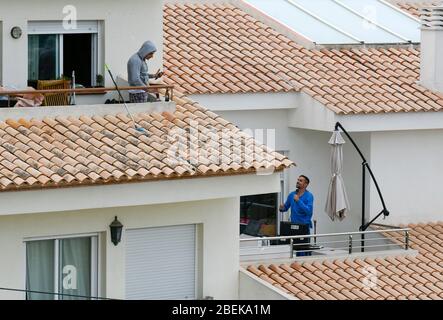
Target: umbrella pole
{"x": 363, "y": 201}
{"x": 365, "y": 165}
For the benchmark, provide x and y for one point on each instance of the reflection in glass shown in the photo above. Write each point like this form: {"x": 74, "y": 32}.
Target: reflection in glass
{"x": 43, "y": 57}
{"x": 40, "y": 269}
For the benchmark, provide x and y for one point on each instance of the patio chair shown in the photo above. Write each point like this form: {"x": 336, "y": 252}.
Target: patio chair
{"x": 54, "y": 99}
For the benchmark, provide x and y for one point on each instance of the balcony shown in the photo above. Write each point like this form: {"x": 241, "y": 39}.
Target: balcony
{"x": 380, "y": 241}
{"x": 22, "y": 101}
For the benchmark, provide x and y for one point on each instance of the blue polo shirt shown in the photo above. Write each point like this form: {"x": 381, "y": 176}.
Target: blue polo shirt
{"x": 301, "y": 211}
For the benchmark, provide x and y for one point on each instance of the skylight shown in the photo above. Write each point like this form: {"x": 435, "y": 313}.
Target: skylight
{"x": 343, "y": 21}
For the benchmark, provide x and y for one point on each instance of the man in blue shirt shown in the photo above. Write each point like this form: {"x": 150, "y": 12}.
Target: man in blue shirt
{"x": 301, "y": 202}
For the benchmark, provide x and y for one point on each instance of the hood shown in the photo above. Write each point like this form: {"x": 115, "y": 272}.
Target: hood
{"x": 147, "y": 48}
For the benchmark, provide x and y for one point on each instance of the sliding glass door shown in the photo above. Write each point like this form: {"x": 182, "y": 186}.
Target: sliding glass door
{"x": 51, "y": 56}
{"x": 75, "y": 267}
{"x": 43, "y": 57}
{"x": 64, "y": 269}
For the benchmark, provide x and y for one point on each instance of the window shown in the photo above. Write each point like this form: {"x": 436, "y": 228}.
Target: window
{"x": 259, "y": 214}
{"x": 43, "y": 57}
{"x": 66, "y": 266}
{"x": 55, "y": 52}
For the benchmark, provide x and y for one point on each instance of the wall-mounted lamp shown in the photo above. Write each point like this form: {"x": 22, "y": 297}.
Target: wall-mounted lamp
{"x": 116, "y": 231}
{"x": 16, "y": 32}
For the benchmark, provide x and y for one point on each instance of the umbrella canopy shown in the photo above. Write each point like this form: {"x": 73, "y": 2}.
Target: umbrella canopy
{"x": 337, "y": 203}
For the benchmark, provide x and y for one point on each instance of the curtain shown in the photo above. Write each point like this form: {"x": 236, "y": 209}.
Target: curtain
{"x": 40, "y": 269}
{"x": 75, "y": 267}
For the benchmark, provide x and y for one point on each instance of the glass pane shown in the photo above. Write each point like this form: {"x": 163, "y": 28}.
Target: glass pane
{"x": 258, "y": 214}
{"x": 389, "y": 17}
{"x": 43, "y": 57}
{"x": 344, "y": 19}
{"x": 301, "y": 22}
{"x": 40, "y": 269}
{"x": 75, "y": 268}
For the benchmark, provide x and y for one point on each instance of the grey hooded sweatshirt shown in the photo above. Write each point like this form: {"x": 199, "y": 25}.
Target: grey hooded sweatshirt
{"x": 138, "y": 68}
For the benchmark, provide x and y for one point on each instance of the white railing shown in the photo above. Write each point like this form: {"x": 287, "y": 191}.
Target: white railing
{"x": 166, "y": 90}
{"x": 391, "y": 237}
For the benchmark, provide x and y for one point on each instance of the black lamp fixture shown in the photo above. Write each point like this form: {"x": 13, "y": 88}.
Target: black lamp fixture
{"x": 116, "y": 231}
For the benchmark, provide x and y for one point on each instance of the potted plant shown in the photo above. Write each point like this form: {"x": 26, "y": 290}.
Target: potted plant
{"x": 64, "y": 77}
{"x": 100, "y": 80}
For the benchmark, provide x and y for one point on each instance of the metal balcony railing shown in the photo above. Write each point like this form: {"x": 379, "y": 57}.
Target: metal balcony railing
{"x": 166, "y": 90}
{"x": 394, "y": 237}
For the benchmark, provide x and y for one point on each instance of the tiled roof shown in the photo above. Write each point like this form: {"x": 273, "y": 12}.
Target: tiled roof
{"x": 218, "y": 48}
{"x": 414, "y": 7}
{"x": 61, "y": 151}
{"x": 398, "y": 277}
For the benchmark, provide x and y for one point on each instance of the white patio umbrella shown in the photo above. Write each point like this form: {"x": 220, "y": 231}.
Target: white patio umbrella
{"x": 337, "y": 203}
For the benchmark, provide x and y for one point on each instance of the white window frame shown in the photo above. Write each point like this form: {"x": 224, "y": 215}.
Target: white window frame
{"x": 95, "y": 259}
{"x": 196, "y": 262}
{"x": 94, "y": 27}
{"x": 284, "y": 190}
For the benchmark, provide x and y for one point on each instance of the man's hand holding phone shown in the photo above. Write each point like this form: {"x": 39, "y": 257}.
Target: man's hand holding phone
{"x": 158, "y": 74}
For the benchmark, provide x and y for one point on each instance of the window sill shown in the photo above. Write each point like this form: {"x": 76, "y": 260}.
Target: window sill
{"x": 86, "y": 93}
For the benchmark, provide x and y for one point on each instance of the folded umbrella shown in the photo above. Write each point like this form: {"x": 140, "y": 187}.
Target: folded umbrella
{"x": 337, "y": 203}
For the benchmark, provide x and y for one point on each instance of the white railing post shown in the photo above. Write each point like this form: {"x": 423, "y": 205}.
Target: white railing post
{"x": 350, "y": 243}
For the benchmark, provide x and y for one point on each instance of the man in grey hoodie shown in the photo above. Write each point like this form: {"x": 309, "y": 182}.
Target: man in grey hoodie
{"x": 138, "y": 72}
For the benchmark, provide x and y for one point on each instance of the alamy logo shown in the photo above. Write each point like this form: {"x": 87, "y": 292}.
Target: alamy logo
{"x": 70, "y": 17}
{"x": 70, "y": 277}
{"x": 199, "y": 144}
{"x": 370, "y": 279}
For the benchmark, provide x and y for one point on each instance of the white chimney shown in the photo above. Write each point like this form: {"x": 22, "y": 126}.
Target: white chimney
{"x": 431, "y": 62}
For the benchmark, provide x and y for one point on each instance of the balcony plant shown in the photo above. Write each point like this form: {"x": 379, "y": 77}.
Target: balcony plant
{"x": 100, "y": 80}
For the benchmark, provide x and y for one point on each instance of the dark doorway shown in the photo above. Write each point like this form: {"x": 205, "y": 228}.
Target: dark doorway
{"x": 77, "y": 53}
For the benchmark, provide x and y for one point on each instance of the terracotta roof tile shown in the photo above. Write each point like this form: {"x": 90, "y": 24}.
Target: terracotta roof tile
{"x": 413, "y": 7}
{"x": 398, "y": 277}
{"x": 89, "y": 150}
{"x": 251, "y": 57}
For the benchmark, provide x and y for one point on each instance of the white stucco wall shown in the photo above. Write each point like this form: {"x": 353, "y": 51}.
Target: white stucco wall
{"x": 136, "y": 194}
{"x": 312, "y": 153}
{"x": 126, "y": 26}
{"x": 247, "y": 101}
{"x": 252, "y": 287}
{"x": 310, "y": 150}
{"x": 311, "y": 114}
{"x": 219, "y": 241}
{"x": 406, "y": 163}
{"x": 410, "y": 172}
{"x": 396, "y": 146}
